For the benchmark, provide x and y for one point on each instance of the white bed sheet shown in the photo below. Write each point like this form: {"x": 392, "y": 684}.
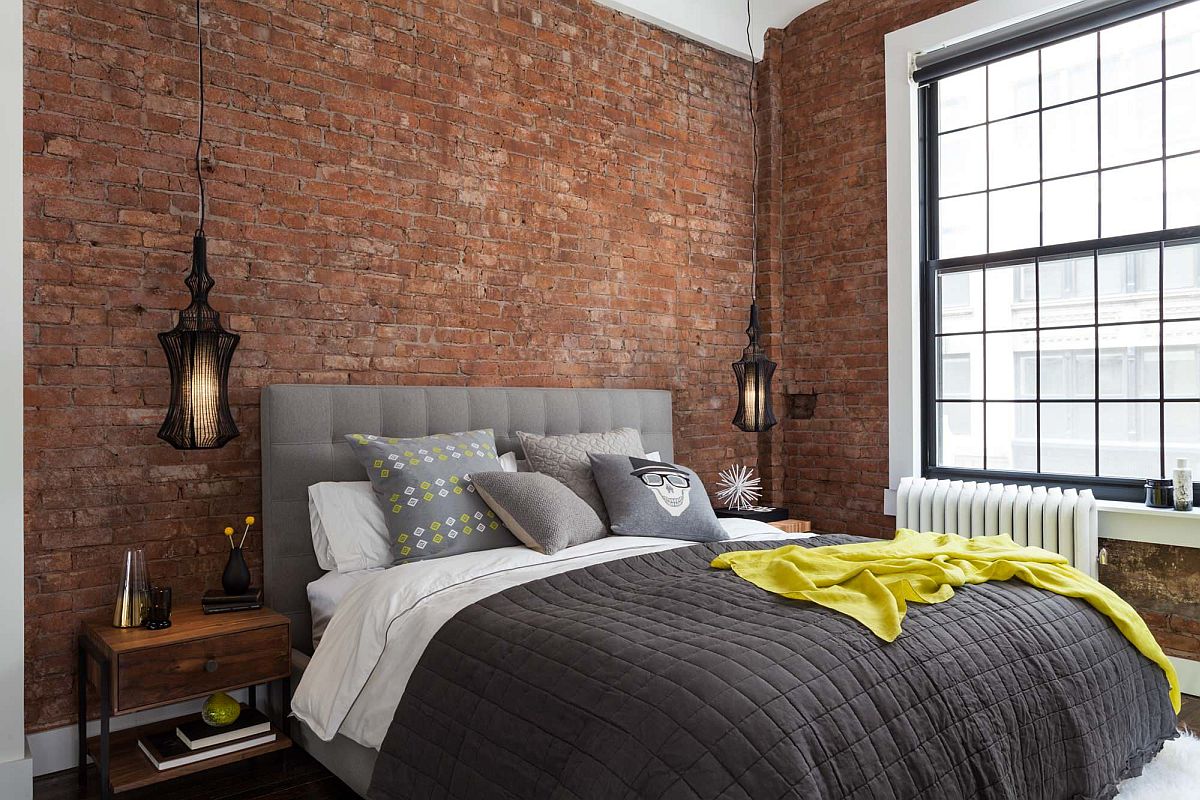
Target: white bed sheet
{"x": 327, "y": 591}
{"x": 383, "y": 623}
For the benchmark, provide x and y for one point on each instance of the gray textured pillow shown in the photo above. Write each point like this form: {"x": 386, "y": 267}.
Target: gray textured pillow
{"x": 564, "y": 457}
{"x": 654, "y": 498}
{"x": 424, "y": 487}
{"x": 545, "y": 515}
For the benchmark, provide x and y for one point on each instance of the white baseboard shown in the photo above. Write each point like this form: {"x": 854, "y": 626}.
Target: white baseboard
{"x": 56, "y": 749}
{"x": 16, "y": 777}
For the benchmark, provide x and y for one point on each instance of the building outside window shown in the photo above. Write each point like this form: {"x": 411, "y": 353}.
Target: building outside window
{"x": 1061, "y": 255}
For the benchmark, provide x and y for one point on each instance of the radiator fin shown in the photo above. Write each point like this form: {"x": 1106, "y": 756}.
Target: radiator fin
{"x": 1060, "y": 520}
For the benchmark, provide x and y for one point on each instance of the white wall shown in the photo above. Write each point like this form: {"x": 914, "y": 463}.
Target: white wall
{"x": 717, "y": 23}
{"x": 16, "y": 768}
{"x": 903, "y": 212}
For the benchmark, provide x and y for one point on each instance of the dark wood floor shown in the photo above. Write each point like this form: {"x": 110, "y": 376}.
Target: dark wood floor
{"x": 292, "y": 775}
{"x": 1189, "y": 714}
{"x": 287, "y": 775}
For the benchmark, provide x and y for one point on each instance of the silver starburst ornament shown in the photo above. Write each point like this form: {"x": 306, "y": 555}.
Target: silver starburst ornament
{"x": 739, "y": 490}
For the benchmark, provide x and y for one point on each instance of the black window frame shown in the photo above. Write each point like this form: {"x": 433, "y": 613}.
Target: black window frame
{"x": 1131, "y": 489}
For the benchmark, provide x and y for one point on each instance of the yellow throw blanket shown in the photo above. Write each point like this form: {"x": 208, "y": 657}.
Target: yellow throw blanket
{"x": 874, "y": 581}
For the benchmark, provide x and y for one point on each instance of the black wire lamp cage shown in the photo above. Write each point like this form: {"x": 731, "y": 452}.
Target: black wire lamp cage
{"x": 199, "y": 351}
{"x": 754, "y": 370}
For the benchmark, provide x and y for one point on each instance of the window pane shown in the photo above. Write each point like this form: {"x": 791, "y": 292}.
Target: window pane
{"x": 1010, "y": 295}
{"x": 960, "y": 435}
{"x": 1129, "y": 440}
{"x": 1069, "y": 438}
{"x": 1183, "y": 39}
{"x": 1181, "y": 280}
{"x": 1129, "y": 362}
{"x": 1183, "y": 191}
{"x": 1067, "y": 291}
{"x": 1069, "y": 70}
{"x": 1070, "y": 139}
{"x": 1183, "y": 114}
{"x": 1068, "y": 362}
{"x": 1014, "y": 218}
{"x": 960, "y": 300}
{"x": 1005, "y": 355}
{"x": 963, "y": 164}
{"x": 1131, "y": 199}
{"x": 962, "y": 224}
{"x": 1181, "y": 364}
{"x": 960, "y": 367}
{"x": 962, "y": 100}
{"x": 1070, "y": 210}
{"x": 1131, "y": 53}
{"x": 1131, "y": 126}
{"x": 1012, "y": 436}
{"x": 1013, "y": 151}
{"x": 1182, "y": 426}
{"x": 1013, "y": 86}
{"x": 1128, "y": 285}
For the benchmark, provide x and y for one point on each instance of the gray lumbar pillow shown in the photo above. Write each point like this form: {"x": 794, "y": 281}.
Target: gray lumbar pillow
{"x": 654, "y": 498}
{"x": 545, "y": 515}
{"x": 424, "y": 487}
{"x": 564, "y": 457}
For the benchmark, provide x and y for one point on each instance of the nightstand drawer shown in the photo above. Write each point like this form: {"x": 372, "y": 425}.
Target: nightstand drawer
{"x": 166, "y": 674}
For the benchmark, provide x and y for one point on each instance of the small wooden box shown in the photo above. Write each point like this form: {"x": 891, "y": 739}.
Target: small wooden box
{"x": 793, "y": 525}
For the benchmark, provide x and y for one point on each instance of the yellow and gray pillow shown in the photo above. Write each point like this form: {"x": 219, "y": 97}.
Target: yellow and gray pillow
{"x": 424, "y": 487}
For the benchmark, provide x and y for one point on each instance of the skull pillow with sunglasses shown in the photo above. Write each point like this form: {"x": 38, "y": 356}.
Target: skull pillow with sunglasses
{"x": 654, "y": 498}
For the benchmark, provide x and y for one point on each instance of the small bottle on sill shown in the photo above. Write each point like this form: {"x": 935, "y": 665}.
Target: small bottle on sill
{"x": 1183, "y": 485}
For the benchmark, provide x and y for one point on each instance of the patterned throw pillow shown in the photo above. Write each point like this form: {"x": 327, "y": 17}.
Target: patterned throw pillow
{"x": 654, "y": 498}
{"x": 424, "y": 487}
{"x": 564, "y": 457}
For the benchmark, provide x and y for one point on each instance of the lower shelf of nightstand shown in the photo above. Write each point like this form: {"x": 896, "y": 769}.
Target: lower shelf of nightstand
{"x": 128, "y": 767}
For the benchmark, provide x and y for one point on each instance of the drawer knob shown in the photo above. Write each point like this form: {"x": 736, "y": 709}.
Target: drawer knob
{"x": 210, "y": 665}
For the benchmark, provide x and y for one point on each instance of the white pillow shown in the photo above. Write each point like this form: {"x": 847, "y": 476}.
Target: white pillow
{"x": 348, "y": 529}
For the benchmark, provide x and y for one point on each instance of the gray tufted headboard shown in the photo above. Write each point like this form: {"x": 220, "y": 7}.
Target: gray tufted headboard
{"x": 302, "y": 444}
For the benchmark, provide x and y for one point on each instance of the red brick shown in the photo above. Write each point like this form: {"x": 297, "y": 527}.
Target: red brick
{"x": 451, "y": 195}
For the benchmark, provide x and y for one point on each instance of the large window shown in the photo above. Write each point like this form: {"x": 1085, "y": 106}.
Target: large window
{"x": 1061, "y": 255}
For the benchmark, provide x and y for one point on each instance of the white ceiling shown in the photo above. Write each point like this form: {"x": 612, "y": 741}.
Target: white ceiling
{"x": 719, "y": 23}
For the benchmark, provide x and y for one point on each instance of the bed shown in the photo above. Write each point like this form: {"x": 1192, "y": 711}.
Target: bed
{"x": 627, "y": 668}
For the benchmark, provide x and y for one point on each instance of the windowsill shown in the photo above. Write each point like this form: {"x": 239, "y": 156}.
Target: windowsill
{"x": 1134, "y": 522}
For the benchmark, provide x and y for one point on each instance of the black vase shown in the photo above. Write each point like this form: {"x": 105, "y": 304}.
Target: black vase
{"x": 236, "y": 577}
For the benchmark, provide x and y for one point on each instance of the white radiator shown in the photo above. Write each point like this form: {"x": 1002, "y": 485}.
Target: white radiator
{"x": 1061, "y": 520}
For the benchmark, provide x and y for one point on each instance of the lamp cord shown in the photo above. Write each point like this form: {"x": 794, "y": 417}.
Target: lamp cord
{"x": 754, "y": 178}
{"x": 200, "y": 128}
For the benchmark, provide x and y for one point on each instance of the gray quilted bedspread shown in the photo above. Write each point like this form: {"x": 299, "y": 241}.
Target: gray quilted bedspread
{"x": 659, "y": 677}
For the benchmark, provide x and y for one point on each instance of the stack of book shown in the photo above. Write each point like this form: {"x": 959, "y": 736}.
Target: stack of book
{"x": 215, "y": 601}
{"x": 196, "y": 740}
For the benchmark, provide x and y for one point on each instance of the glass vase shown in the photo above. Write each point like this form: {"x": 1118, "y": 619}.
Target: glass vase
{"x": 132, "y": 588}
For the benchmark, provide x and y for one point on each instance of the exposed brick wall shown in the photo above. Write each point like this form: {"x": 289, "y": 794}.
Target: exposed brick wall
{"x": 834, "y": 255}
{"x": 1163, "y": 584}
{"x": 459, "y": 192}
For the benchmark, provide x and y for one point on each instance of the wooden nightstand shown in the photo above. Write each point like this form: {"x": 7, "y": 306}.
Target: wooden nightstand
{"x": 793, "y": 525}
{"x": 135, "y": 669}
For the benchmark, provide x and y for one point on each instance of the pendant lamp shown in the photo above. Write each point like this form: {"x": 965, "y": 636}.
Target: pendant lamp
{"x": 199, "y": 351}
{"x": 754, "y": 370}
